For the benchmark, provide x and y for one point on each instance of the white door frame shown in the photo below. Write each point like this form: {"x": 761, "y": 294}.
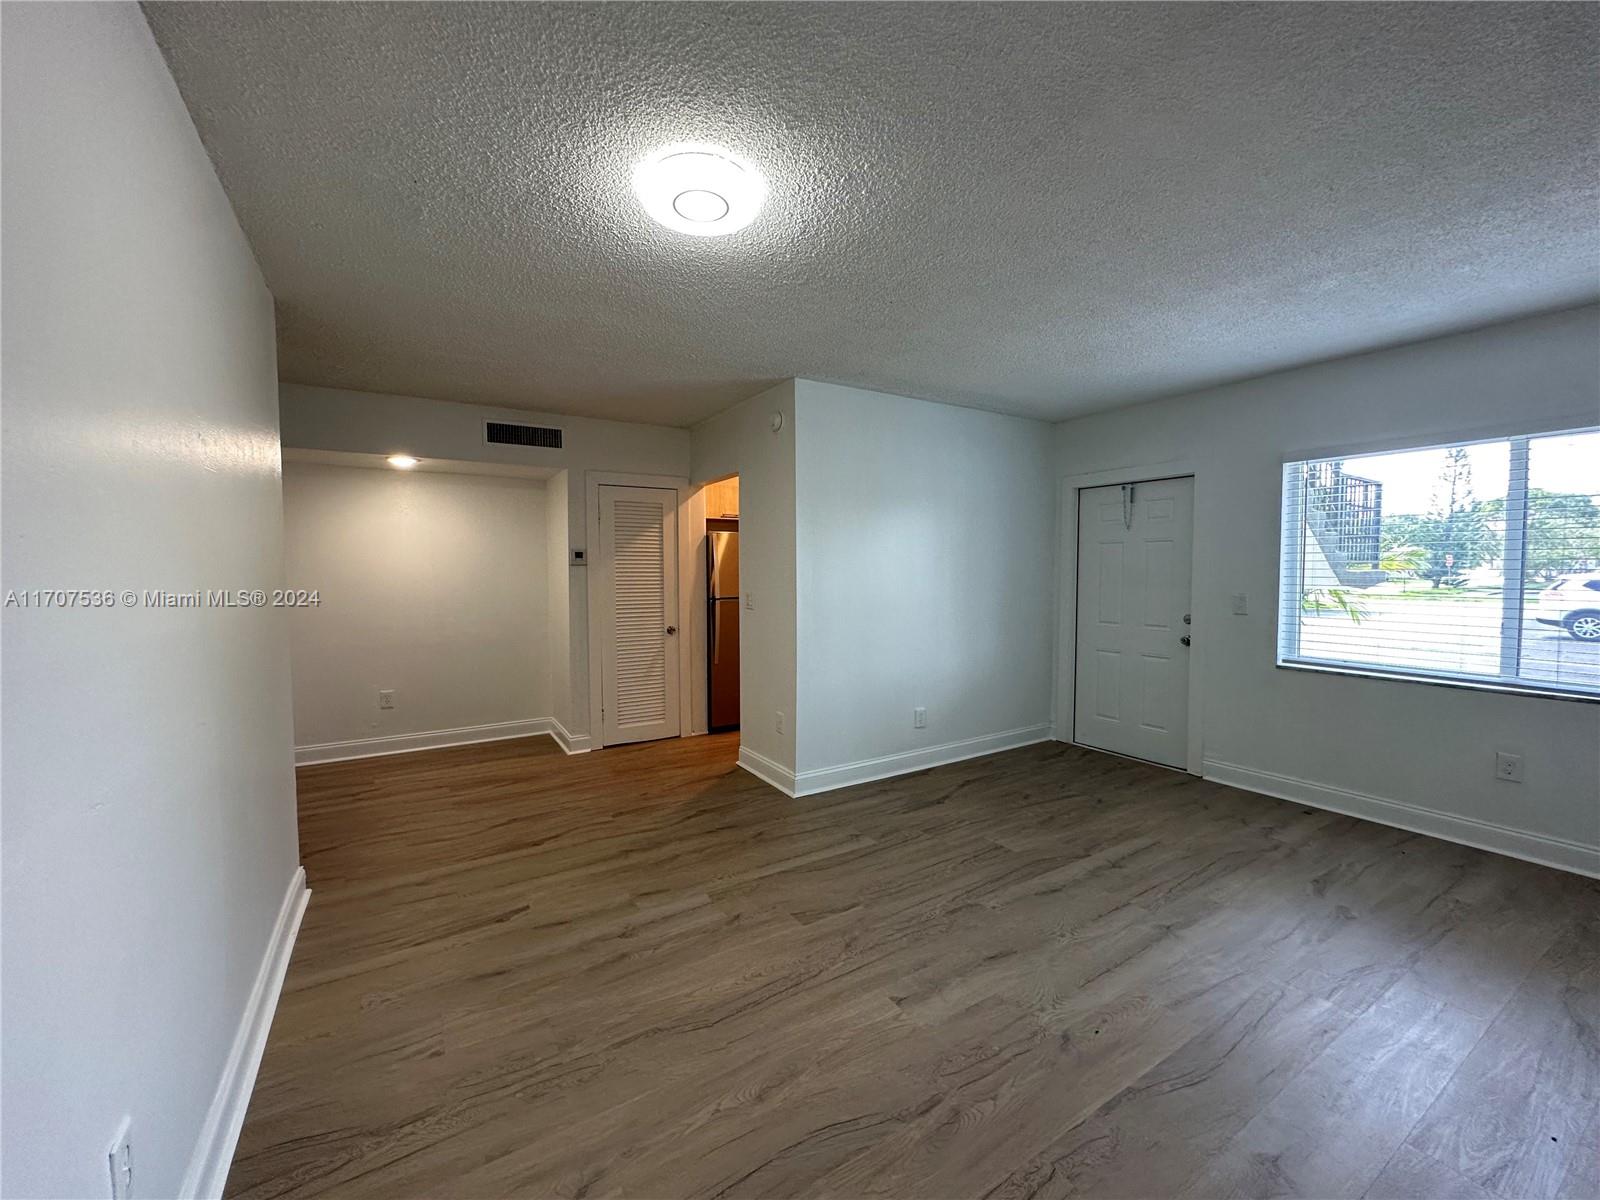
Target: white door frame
{"x": 1067, "y": 594}
{"x": 593, "y": 481}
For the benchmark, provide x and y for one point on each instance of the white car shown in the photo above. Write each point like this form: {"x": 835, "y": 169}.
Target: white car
{"x": 1572, "y": 602}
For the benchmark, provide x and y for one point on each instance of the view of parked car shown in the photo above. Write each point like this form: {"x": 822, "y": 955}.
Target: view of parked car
{"x": 1572, "y": 602}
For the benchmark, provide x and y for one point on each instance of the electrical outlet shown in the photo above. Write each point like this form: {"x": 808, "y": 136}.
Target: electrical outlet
{"x": 385, "y": 697}
{"x": 750, "y": 601}
{"x": 780, "y": 722}
{"x": 120, "y": 1159}
{"x": 1241, "y": 604}
{"x": 919, "y": 718}
{"x": 1508, "y": 767}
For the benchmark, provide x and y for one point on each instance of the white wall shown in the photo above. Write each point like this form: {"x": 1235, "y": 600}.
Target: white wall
{"x": 741, "y": 441}
{"x": 371, "y": 423}
{"x": 1399, "y": 743}
{"x": 149, "y": 818}
{"x": 558, "y": 607}
{"x": 926, "y": 578}
{"x": 432, "y": 584}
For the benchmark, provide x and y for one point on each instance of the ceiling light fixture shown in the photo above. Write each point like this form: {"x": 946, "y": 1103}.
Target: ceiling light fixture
{"x": 698, "y": 189}
{"x": 403, "y": 462}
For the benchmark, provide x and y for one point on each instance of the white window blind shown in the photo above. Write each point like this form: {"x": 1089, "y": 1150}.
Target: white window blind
{"x": 1476, "y": 563}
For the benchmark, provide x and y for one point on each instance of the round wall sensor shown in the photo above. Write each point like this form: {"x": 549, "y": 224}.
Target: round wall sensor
{"x": 699, "y": 189}
{"x": 777, "y": 422}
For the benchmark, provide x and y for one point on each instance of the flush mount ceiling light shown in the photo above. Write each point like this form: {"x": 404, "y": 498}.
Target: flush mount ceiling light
{"x": 403, "y": 462}
{"x": 698, "y": 189}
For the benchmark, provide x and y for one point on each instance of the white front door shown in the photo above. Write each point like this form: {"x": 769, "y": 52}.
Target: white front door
{"x": 1135, "y": 557}
{"x": 637, "y": 574}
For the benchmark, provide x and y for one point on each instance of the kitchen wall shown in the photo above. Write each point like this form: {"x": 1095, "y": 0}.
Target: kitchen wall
{"x": 742, "y": 440}
{"x": 336, "y": 420}
{"x": 1408, "y": 753}
{"x": 721, "y": 498}
{"x": 926, "y": 580}
{"x": 149, "y": 814}
{"x": 431, "y": 584}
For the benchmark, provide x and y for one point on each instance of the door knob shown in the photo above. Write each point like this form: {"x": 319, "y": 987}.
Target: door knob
{"x": 671, "y": 629}
{"x": 1184, "y": 639}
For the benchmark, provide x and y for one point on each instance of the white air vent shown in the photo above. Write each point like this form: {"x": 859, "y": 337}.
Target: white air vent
{"x": 503, "y": 433}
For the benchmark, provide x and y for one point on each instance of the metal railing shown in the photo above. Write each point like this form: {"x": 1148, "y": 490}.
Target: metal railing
{"x": 1351, "y": 508}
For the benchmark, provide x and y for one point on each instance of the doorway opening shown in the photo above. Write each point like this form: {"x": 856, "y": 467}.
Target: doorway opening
{"x": 722, "y": 604}
{"x": 1134, "y": 629}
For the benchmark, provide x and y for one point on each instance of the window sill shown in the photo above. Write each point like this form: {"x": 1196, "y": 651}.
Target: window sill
{"x": 1359, "y": 671}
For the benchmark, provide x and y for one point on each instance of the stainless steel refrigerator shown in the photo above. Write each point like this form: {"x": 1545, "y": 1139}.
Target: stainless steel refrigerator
{"x": 722, "y": 640}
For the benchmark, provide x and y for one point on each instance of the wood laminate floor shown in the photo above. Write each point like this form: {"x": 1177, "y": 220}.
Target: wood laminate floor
{"x": 642, "y": 972}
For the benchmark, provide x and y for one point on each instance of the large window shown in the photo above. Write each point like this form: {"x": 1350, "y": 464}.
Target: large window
{"x": 1476, "y": 563}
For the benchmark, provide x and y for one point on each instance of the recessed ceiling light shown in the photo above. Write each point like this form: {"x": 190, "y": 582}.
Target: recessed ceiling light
{"x": 698, "y": 189}
{"x": 403, "y": 461}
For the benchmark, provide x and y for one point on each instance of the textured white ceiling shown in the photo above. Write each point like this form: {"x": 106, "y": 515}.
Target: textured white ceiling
{"x": 1044, "y": 209}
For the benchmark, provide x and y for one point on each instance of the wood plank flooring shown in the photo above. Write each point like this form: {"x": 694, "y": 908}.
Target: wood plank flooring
{"x": 1048, "y": 973}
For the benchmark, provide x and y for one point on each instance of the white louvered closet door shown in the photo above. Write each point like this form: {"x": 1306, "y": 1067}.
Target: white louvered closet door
{"x": 639, "y": 598}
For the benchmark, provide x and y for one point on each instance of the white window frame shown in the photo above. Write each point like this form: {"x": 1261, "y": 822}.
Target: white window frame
{"x": 1291, "y": 569}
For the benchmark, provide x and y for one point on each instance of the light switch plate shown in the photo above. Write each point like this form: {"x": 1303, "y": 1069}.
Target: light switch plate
{"x": 1241, "y": 604}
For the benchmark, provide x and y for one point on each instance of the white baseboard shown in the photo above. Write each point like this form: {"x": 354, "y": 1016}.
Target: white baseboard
{"x": 437, "y": 739}
{"x": 1482, "y": 835}
{"x": 572, "y": 743}
{"x": 764, "y": 769}
{"x": 219, "y": 1136}
{"x": 826, "y": 779}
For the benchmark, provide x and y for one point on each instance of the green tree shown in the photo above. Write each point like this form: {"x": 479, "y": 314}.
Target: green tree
{"x": 1563, "y": 533}
{"x": 1459, "y": 533}
{"x": 1407, "y": 533}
